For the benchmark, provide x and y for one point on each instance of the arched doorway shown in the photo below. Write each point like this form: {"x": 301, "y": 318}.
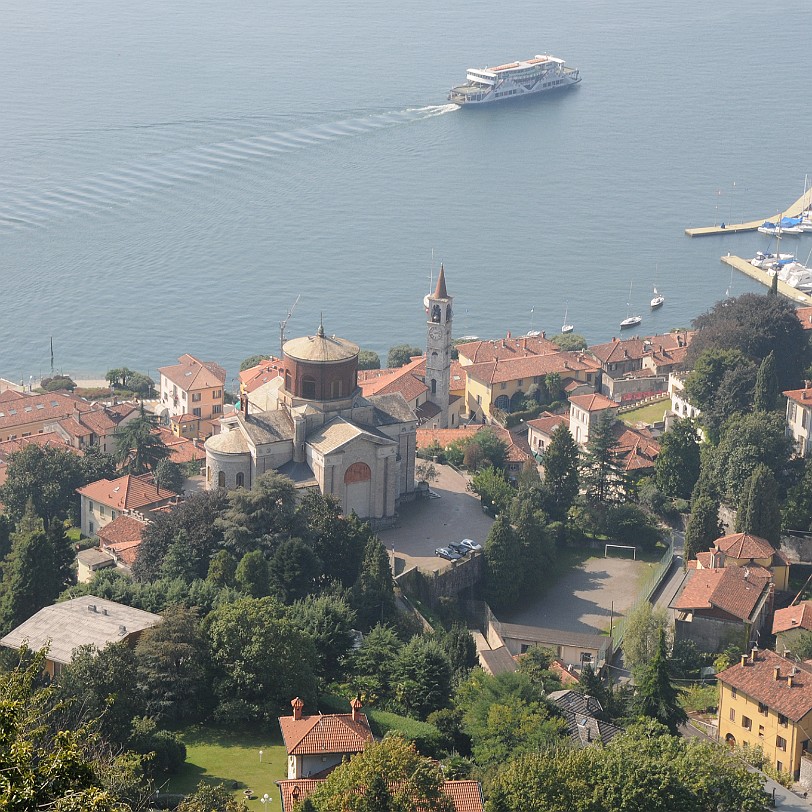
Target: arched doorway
{"x": 502, "y": 403}
{"x": 358, "y": 489}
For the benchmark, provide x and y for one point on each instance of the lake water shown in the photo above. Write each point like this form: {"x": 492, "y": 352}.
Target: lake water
{"x": 174, "y": 175}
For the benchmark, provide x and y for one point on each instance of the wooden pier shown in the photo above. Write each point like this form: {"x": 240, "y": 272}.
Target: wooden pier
{"x": 762, "y": 276}
{"x": 801, "y": 204}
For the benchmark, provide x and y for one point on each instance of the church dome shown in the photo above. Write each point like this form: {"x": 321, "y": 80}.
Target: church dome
{"x": 320, "y": 348}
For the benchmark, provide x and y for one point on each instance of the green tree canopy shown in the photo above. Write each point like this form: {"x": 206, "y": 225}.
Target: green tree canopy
{"x": 560, "y": 473}
{"x": 252, "y": 361}
{"x": 759, "y": 508}
{"x": 422, "y": 677}
{"x": 401, "y": 354}
{"x": 677, "y": 465}
{"x": 504, "y": 567}
{"x": 766, "y": 394}
{"x": 703, "y": 527}
{"x": 169, "y": 475}
{"x": 252, "y": 576}
{"x": 211, "y": 798}
{"x": 372, "y": 665}
{"x": 367, "y": 359}
{"x": 328, "y": 620}
{"x": 294, "y": 570}
{"x": 657, "y": 697}
{"x": 797, "y": 508}
{"x": 601, "y": 475}
{"x": 138, "y": 448}
{"x": 640, "y": 641}
{"x": 569, "y": 341}
{"x": 492, "y": 487}
{"x": 373, "y": 595}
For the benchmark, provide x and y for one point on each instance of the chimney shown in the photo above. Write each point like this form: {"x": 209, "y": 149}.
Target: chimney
{"x": 789, "y": 681}
{"x": 777, "y": 672}
{"x": 744, "y": 660}
{"x": 122, "y": 630}
{"x": 356, "y": 706}
{"x": 746, "y": 573}
{"x": 91, "y": 607}
{"x": 753, "y": 654}
{"x": 297, "y": 706}
{"x": 105, "y": 612}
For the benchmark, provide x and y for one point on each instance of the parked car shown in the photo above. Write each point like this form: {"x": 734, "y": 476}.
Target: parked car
{"x": 449, "y": 555}
{"x": 458, "y": 547}
{"x": 470, "y": 545}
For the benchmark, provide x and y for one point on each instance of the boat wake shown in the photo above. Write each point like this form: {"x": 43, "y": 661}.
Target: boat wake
{"x": 97, "y": 194}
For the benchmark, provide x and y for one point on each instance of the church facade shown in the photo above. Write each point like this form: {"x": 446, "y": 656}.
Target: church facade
{"x": 323, "y": 433}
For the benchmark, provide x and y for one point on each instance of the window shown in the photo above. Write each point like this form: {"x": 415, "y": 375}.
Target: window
{"x": 782, "y": 720}
{"x": 503, "y": 386}
{"x": 101, "y": 510}
{"x": 747, "y": 723}
{"x": 240, "y": 480}
{"x": 217, "y": 408}
{"x": 433, "y": 386}
{"x": 196, "y": 397}
{"x": 90, "y": 527}
{"x": 763, "y": 709}
{"x": 520, "y": 382}
{"x": 732, "y": 714}
{"x": 216, "y": 394}
{"x": 781, "y": 743}
{"x": 221, "y": 479}
{"x": 734, "y": 692}
{"x": 90, "y": 505}
{"x": 761, "y": 731}
{"x": 335, "y": 389}
{"x": 196, "y": 411}
{"x": 309, "y": 388}
{"x": 780, "y": 766}
{"x": 113, "y": 514}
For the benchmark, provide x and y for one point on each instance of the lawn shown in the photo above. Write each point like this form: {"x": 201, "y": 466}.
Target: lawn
{"x": 216, "y": 756}
{"x": 652, "y": 413}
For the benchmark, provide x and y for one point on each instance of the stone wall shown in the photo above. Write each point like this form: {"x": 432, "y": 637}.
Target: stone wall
{"x": 460, "y": 577}
{"x": 711, "y": 634}
{"x": 797, "y": 547}
{"x": 805, "y": 777}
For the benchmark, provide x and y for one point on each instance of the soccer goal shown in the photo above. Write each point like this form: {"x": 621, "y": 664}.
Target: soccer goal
{"x": 619, "y": 547}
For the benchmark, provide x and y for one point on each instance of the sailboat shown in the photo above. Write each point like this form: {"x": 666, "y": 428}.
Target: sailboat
{"x": 630, "y": 321}
{"x": 658, "y": 300}
{"x": 566, "y": 327}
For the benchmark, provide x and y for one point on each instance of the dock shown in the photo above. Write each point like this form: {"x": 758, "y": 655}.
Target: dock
{"x": 762, "y": 276}
{"x": 800, "y": 205}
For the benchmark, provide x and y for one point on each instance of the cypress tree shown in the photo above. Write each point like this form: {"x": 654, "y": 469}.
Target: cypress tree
{"x": 760, "y": 510}
{"x": 504, "y": 566}
{"x": 373, "y": 596}
{"x": 765, "y": 398}
{"x": 773, "y": 286}
{"x": 677, "y": 465}
{"x": 703, "y": 526}
{"x": 656, "y": 696}
{"x": 560, "y": 473}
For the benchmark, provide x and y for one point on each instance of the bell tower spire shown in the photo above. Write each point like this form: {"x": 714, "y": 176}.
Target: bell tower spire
{"x": 438, "y": 350}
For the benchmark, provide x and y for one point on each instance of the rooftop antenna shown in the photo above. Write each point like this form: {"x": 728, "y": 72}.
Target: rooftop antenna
{"x": 284, "y": 323}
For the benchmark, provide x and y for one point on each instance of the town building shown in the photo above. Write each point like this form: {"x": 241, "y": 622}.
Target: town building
{"x": 83, "y": 621}
{"x": 790, "y": 625}
{"x": 586, "y": 411}
{"x": 799, "y": 419}
{"x": 438, "y": 349}
{"x": 804, "y": 315}
{"x": 105, "y": 500}
{"x": 580, "y": 712}
{"x": 746, "y": 550}
{"x": 680, "y": 405}
{"x": 323, "y": 433}
{"x": 540, "y": 431}
{"x": 765, "y": 701}
{"x": 96, "y": 425}
{"x": 24, "y": 415}
{"x": 89, "y": 562}
{"x": 9, "y": 447}
{"x": 722, "y": 606}
{"x": 192, "y": 387}
{"x": 121, "y": 539}
{"x": 502, "y": 349}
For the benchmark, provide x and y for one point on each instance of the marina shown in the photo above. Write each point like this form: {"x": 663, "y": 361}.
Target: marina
{"x": 803, "y": 203}
{"x": 765, "y": 278}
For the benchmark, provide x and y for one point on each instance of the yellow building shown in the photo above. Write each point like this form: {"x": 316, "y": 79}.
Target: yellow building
{"x": 745, "y": 550}
{"x": 766, "y": 701}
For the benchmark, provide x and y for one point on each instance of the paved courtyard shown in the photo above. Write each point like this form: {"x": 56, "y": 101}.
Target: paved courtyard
{"x": 583, "y": 598}
{"x": 426, "y": 524}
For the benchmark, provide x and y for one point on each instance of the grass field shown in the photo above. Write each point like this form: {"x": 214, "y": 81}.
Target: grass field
{"x": 221, "y": 756}
{"x": 652, "y": 413}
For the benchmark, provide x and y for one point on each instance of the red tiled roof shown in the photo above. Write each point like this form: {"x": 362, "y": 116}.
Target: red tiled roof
{"x": 594, "y": 402}
{"x": 804, "y": 315}
{"x": 502, "y": 348}
{"x": 126, "y": 551}
{"x": 518, "y": 449}
{"x": 632, "y": 349}
{"x": 547, "y": 422}
{"x": 566, "y": 364}
{"x": 256, "y": 376}
{"x": 565, "y": 676}
{"x": 664, "y": 357}
{"x": 181, "y": 449}
{"x": 122, "y": 530}
{"x": 635, "y": 447}
{"x": 36, "y": 408}
{"x": 757, "y": 680}
{"x": 744, "y": 545}
{"x": 191, "y": 373}
{"x": 127, "y": 493}
{"x": 329, "y": 733}
{"x": 465, "y": 795}
{"x": 793, "y": 617}
{"x": 48, "y": 440}
{"x": 736, "y": 591}
{"x": 444, "y": 437}
{"x": 802, "y": 396}
{"x": 10, "y": 394}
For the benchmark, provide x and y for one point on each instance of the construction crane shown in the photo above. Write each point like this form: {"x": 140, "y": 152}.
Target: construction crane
{"x": 284, "y": 323}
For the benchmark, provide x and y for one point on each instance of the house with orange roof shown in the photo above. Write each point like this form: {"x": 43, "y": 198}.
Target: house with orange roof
{"x": 636, "y": 450}
{"x": 121, "y": 539}
{"x": 804, "y": 315}
{"x": 24, "y": 415}
{"x": 586, "y": 411}
{"x": 192, "y": 387}
{"x": 182, "y": 450}
{"x": 105, "y": 500}
{"x": 717, "y": 607}
{"x": 9, "y": 447}
{"x": 790, "y": 624}
{"x": 96, "y": 426}
{"x": 747, "y": 550}
{"x": 799, "y": 419}
{"x": 765, "y": 701}
{"x": 261, "y": 384}
{"x": 540, "y": 431}
{"x": 501, "y": 349}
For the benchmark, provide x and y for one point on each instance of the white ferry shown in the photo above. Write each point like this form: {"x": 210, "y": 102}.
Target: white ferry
{"x": 542, "y": 72}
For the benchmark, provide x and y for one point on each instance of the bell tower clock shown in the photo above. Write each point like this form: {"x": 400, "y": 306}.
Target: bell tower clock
{"x": 438, "y": 349}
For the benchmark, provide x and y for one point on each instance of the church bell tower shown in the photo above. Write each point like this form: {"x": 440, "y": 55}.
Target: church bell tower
{"x": 438, "y": 349}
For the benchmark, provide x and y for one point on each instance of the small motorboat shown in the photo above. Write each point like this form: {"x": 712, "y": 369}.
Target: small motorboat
{"x": 787, "y": 225}
{"x": 658, "y": 300}
{"x": 763, "y": 259}
{"x": 631, "y": 321}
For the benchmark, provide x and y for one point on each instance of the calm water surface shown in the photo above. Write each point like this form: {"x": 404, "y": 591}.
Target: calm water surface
{"x": 174, "y": 175}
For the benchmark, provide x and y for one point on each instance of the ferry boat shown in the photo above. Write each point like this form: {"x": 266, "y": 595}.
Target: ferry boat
{"x": 542, "y": 72}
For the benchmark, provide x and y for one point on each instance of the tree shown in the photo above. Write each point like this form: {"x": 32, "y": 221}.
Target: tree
{"x": 560, "y": 473}
{"x": 602, "y": 478}
{"x": 117, "y": 378}
{"x": 537, "y": 545}
{"x": 629, "y": 524}
{"x": 422, "y": 677}
{"x": 168, "y": 475}
{"x": 211, "y": 798}
{"x": 401, "y": 354}
{"x": 640, "y": 641}
{"x": 460, "y": 647}
{"x": 413, "y": 783}
{"x": 45, "y": 477}
{"x": 172, "y": 667}
{"x": 677, "y": 465}
{"x": 95, "y": 464}
{"x": 426, "y": 472}
{"x": 367, "y": 359}
{"x": 252, "y": 576}
{"x": 492, "y": 488}
{"x": 141, "y": 384}
{"x": 759, "y": 509}
{"x": 571, "y": 342}
{"x": 504, "y": 568}
{"x": 328, "y": 619}
{"x": 44, "y": 765}
{"x": 797, "y": 508}
{"x": 766, "y": 394}
{"x": 58, "y": 383}
{"x": 138, "y": 448}
{"x": 656, "y": 696}
{"x": 373, "y": 595}
{"x": 294, "y": 570}
{"x": 222, "y": 569}
{"x": 259, "y": 659}
{"x": 372, "y": 665}
{"x": 6, "y": 528}
{"x": 703, "y": 527}
{"x": 492, "y": 448}
{"x": 253, "y": 361}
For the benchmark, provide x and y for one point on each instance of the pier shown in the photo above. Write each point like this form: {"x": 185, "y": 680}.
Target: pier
{"x": 762, "y": 276}
{"x": 800, "y": 205}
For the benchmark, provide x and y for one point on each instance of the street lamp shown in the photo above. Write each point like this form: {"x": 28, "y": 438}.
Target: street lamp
{"x": 260, "y": 756}
{"x": 265, "y": 799}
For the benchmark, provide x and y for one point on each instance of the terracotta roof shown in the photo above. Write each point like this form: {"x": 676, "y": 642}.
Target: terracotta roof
{"x": 256, "y": 376}
{"x": 465, "y": 795}
{"x": 635, "y": 447}
{"x": 181, "y": 449}
{"x": 744, "y": 546}
{"x": 127, "y": 493}
{"x": 704, "y": 559}
{"x": 444, "y": 437}
{"x": 793, "y": 617}
{"x": 320, "y": 348}
{"x": 632, "y": 349}
{"x": 440, "y": 291}
{"x": 10, "y": 394}
{"x": 36, "y": 408}
{"x": 547, "y": 422}
{"x": 594, "y": 402}
{"x": 47, "y": 440}
{"x": 122, "y": 530}
{"x": 565, "y": 676}
{"x": 804, "y": 315}
{"x": 191, "y": 373}
{"x": 124, "y": 552}
{"x": 662, "y": 357}
{"x": 736, "y": 591}
{"x": 757, "y": 680}
{"x": 566, "y": 364}
{"x": 502, "y": 348}
{"x": 518, "y": 449}
{"x": 328, "y": 733}
{"x": 802, "y": 396}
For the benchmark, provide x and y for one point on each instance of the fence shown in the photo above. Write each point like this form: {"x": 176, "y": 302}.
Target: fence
{"x": 649, "y": 586}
